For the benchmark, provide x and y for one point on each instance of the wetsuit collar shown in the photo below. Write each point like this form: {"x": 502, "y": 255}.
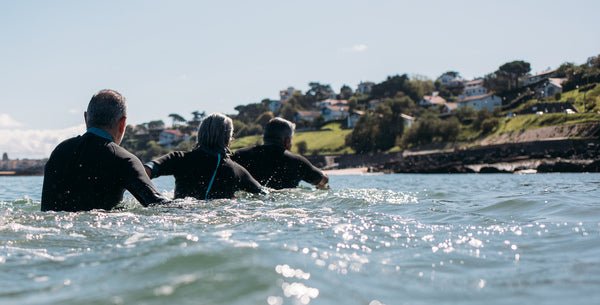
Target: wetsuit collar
{"x": 213, "y": 152}
{"x": 101, "y": 133}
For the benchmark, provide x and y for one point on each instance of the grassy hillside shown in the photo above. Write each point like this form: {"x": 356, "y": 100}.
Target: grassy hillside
{"x": 330, "y": 139}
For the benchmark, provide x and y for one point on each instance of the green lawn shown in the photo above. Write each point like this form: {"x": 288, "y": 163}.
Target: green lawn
{"x": 531, "y": 121}
{"x": 591, "y": 98}
{"x": 330, "y": 139}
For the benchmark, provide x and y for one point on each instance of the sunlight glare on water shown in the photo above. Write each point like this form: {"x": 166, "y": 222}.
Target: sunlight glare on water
{"x": 394, "y": 239}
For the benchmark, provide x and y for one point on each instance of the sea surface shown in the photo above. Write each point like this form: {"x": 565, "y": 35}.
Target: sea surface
{"x": 370, "y": 239}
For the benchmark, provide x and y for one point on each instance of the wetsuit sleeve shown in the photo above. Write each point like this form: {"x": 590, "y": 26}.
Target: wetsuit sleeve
{"x": 165, "y": 165}
{"x": 309, "y": 172}
{"x": 138, "y": 183}
{"x": 247, "y": 182}
{"x": 49, "y": 189}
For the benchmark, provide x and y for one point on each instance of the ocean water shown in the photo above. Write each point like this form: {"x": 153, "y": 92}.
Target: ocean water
{"x": 371, "y": 239}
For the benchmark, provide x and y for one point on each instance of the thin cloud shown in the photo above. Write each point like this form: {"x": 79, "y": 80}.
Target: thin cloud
{"x": 35, "y": 143}
{"x": 357, "y": 48}
{"x": 6, "y": 121}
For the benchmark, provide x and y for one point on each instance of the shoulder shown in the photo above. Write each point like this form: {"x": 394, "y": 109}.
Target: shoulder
{"x": 295, "y": 157}
{"x": 244, "y": 151}
{"x": 234, "y": 166}
{"x": 68, "y": 143}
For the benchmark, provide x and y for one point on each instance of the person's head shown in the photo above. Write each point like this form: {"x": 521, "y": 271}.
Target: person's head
{"x": 107, "y": 110}
{"x": 215, "y": 132}
{"x": 279, "y": 131}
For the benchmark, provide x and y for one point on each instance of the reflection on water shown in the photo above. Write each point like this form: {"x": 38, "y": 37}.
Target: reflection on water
{"x": 389, "y": 239}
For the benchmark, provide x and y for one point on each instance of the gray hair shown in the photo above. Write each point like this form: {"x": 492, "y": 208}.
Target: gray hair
{"x": 215, "y": 132}
{"x": 105, "y": 109}
{"x": 277, "y": 130}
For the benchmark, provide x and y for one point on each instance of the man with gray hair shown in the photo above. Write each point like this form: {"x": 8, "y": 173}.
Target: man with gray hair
{"x": 273, "y": 165}
{"x": 92, "y": 171}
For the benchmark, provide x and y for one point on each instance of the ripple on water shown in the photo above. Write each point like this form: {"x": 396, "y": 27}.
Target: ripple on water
{"x": 400, "y": 239}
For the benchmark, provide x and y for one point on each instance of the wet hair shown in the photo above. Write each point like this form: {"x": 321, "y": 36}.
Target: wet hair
{"x": 105, "y": 109}
{"x": 277, "y": 130}
{"x": 215, "y": 132}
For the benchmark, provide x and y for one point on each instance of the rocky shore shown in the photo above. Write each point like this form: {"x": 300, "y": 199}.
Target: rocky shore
{"x": 566, "y": 148}
{"x": 564, "y": 155}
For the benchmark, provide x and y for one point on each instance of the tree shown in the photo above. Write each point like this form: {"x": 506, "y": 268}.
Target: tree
{"x": 366, "y": 129}
{"x": 264, "y": 118}
{"x": 249, "y": 113}
{"x": 392, "y": 86}
{"x": 176, "y": 119}
{"x": 514, "y": 70}
{"x": 156, "y": 125}
{"x": 302, "y": 147}
{"x": 288, "y": 111}
{"x": 319, "y": 92}
{"x": 380, "y": 130}
{"x": 421, "y": 85}
{"x": 345, "y": 92}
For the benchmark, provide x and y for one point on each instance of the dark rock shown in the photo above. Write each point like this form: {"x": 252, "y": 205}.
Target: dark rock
{"x": 492, "y": 170}
{"x": 562, "y": 167}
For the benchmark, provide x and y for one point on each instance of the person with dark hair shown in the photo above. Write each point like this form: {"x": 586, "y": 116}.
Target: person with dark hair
{"x": 273, "y": 165}
{"x": 92, "y": 171}
{"x": 206, "y": 172}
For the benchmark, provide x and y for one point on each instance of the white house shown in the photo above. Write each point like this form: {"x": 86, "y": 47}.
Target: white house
{"x": 364, "y": 87}
{"x": 532, "y": 79}
{"x": 473, "y": 88}
{"x": 432, "y": 100}
{"x": 333, "y": 113}
{"x": 480, "y": 102}
{"x": 284, "y": 96}
{"x": 552, "y": 87}
{"x": 169, "y": 137}
{"x": 331, "y": 102}
{"x": 450, "y": 79}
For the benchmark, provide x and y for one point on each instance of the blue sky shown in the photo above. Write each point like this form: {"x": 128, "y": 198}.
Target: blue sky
{"x": 180, "y": 56}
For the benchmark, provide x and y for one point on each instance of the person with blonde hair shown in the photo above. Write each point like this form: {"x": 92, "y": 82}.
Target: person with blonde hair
{"x": 206, "y": 172}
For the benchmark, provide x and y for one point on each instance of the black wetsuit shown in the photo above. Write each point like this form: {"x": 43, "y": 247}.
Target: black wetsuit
{"x": 275, "y": 167}
{"x": 195, "y": 169}
{"x": 92, "y": 172}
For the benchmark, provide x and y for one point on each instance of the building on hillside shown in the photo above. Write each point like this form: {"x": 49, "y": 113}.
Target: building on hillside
{"x": 353, "y": 118}
{"x": 364, "y": 87}
{"x": 170, "y": 137}
{"x": 473, "y": 88}
{"x": 334, "y": 112}
{"x": 449, "y": 108}
{"x": 451, "y": 80}
{"x": 284, "y": 96}
{"x": 479, "y": 102}
{"x": 551, "y": 87}
{"x": 306, "y": 116}
{"x": 331, "y": 102}
{"x": 533, "y": 79}
{"x": 432, "y": 100}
